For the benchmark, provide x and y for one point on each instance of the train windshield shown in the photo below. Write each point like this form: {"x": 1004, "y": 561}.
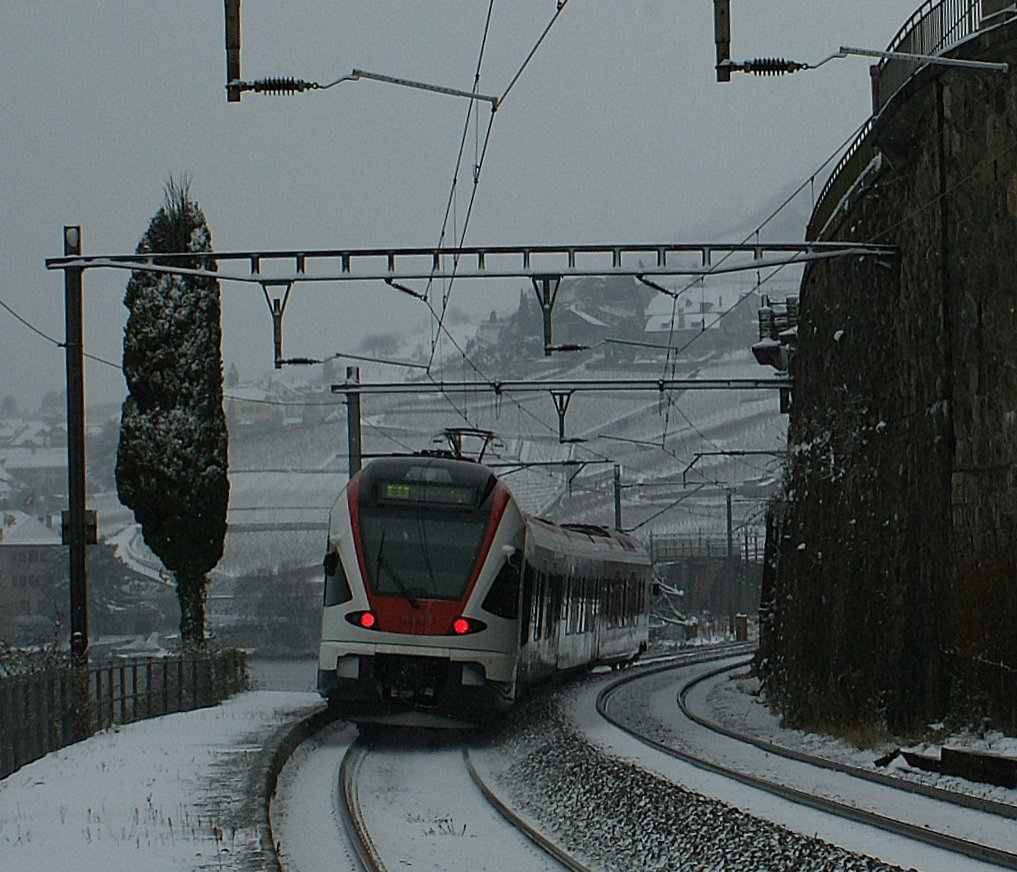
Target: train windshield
{"x": 419, "y": 553}
{"x": 422, "y": 525}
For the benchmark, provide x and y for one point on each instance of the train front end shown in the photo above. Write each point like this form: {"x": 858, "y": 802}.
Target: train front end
{"x": 421, "y": 592}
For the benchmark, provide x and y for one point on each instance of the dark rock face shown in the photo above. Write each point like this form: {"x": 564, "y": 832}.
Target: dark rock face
{"x": 891, "y": 592}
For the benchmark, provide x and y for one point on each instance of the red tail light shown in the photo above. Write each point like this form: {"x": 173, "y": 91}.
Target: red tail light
{"x": 464, "y": 626}
{"x": 367, "y": 620}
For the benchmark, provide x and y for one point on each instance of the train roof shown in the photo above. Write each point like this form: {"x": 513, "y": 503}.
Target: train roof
{"x": 578, "y": 538}
{"x": 585, "y": 540}
{"x": 438, "y": 468}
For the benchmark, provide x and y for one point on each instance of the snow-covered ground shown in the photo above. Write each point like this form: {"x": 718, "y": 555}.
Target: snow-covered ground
{"x": 417, "y": 803}
{"x": 177, "y": 792}
{"x": 172, "y": 794}
{"x": 733, "y": 700}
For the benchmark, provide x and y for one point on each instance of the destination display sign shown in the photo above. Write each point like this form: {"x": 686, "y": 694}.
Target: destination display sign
{"x": 427, "y": 492}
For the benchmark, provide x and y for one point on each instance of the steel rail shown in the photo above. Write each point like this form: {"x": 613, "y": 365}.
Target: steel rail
{"x": 917, "y": 833}
{"x": 523, "y": 826}
{"x": 965, "y": 800}
{"x": 527, "y": 829}
{"x": 347, "y": 804}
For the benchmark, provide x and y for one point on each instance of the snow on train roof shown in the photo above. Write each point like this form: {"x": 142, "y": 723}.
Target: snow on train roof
{"x": 585, "y": 540}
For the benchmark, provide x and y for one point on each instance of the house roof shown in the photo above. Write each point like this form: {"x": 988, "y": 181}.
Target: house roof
{"x": 586, "y": 316}
{"x": 21, "y": 529}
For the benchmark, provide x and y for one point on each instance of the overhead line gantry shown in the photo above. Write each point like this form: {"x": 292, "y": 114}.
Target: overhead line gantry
{"x": 276, "y": 272}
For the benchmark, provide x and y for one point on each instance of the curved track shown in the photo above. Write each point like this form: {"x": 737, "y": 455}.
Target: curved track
{"x": 347, "y": 805}
{"x": 394, "y": 812}
{"x": 932, "y": 816}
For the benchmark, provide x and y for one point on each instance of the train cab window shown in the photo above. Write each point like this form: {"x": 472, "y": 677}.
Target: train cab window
{"x": 421, "y": 553}
{"x": 337, "y": 586}
{"x": 422, "y": 525}
{"x": 503, "y": 597}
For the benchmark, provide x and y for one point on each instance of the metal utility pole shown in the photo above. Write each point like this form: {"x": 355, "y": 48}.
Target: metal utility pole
{"x": 232, "y": 11}
{"x": 353, "y": 419}
{"x": 74, "y": 528}
{"x": 722, "y": 37}
{"x": 730, "y": 560}
{"x": 617, "y": 497}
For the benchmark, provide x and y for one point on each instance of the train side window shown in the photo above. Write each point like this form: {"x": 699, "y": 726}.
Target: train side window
{"x": 539, "y": 597}
{"x": 337, "y": 585}
{"x": 503, "y": 597}
{"x": 555, "y": 601}
{"x": 525, "y": 631}
{"x": 569, "y": 605}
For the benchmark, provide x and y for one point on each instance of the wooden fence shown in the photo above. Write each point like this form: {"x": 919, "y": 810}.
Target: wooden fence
{"x": 43, "y": 711}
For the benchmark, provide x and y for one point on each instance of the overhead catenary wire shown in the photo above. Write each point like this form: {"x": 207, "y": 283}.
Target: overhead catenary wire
{"x": 676, "y": 294}
{"x": 450, "y": 211}
{"x": 479, "y": 161}
{"x": 25, "y": 322}
{"x": 451, "y": 201}
{"x": 96, "y": 358}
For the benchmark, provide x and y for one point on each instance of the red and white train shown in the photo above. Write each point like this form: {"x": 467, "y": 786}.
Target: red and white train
{"x": 442, "y": 596}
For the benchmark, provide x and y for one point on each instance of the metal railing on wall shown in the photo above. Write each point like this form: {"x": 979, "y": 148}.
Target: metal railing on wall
{"x": 43, "y": 711}
{"x": 934, "y": 27}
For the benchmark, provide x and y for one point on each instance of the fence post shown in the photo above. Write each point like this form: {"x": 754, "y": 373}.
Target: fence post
{"x": 100, "y": 709}
{"x": 194, "y": 681}
{"x": 180, "y": 683}
{"x": 6, "y": 729}
{"x": 19, "y": 721}
{"x": 14, "y": 700}
{"x": 123, "y": 693}
{"x": 134, "y": 689}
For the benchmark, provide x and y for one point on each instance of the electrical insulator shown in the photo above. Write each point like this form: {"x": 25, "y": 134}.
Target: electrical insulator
{"x": 767, "y": 327}
{"x": 772, "y": 66}
{"x": 282, "y": 85}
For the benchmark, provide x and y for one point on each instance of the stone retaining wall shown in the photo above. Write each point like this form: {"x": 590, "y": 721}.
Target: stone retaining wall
{"x": 892, "y": 594}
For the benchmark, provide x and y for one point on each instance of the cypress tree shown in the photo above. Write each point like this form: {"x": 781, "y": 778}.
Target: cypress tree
{"x": 172, "y": 455}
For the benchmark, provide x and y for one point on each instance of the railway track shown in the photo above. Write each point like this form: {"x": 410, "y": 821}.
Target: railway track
{"x": 387, "y": 823}
{"x": 932, "y": 816}
{"x": 378, "y": 786}
{"x": 543, "y": 794}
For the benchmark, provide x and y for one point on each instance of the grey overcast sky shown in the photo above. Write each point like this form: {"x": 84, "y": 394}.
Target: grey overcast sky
{"x": 616, "y": 132}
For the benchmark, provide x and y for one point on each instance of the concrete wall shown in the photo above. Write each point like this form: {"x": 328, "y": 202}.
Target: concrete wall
{"x": 891, "y": 595}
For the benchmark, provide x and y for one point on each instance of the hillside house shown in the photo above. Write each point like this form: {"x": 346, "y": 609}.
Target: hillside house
{"x": 6, "y": 489}
{"x": 27, "y": 583}
{"x": 37, "y": 477}
{"x": 251, "y": 406}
